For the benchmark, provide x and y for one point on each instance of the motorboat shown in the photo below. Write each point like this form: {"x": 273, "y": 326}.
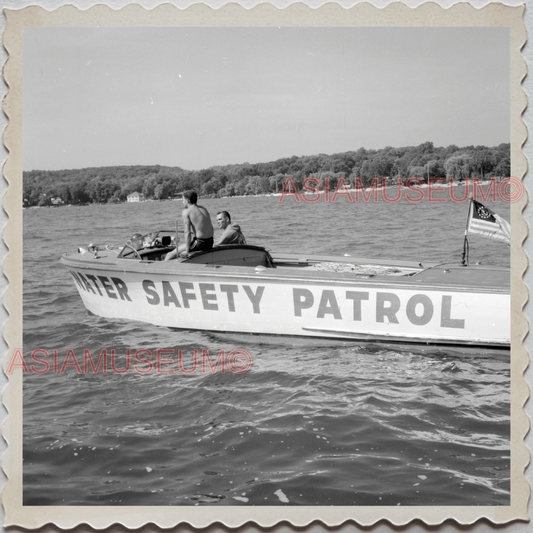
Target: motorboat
{"x": 248, "y": 289}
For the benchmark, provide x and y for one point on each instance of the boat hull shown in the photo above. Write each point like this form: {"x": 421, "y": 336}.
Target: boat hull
{"x": 451, "y": 306}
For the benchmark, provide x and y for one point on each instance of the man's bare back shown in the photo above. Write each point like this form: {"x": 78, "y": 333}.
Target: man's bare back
{"x": 197, "y": 228}
{"x": 197, "y": 218}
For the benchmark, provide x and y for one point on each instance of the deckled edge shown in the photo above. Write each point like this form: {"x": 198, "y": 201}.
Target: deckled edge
{"x": 520, "y": 391}
{"x": 12, "y": 268}
{"x": 231, "y": 14}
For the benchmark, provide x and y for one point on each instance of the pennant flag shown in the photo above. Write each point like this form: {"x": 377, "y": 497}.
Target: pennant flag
{"x": 482, "y": 221}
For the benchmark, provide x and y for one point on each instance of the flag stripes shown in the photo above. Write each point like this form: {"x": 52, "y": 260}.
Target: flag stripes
{"x": 482, "y": 221}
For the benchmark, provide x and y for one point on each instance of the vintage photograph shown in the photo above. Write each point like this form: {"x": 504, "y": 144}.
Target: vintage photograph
{"x": 266, "y": 266}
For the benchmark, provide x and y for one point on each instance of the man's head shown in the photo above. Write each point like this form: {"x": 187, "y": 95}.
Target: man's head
{"x": 190, "y": 197}
{"x": 223, "y": 219}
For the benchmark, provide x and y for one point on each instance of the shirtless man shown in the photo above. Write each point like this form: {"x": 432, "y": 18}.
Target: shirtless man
{"x": 197, "y": 227}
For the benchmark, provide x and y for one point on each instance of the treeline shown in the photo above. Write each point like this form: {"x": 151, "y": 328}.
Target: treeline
{"x": 114, "y": 184}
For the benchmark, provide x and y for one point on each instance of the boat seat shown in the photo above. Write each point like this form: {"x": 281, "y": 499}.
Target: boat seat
{"x": 155, "y": 254}
{"x": 233, "y": 254}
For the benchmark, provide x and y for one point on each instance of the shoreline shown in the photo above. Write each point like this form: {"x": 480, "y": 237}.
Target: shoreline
{"x": 311, "y": 196}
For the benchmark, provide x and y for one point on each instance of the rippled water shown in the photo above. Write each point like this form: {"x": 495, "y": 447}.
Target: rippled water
{"x": 312, "y": 423}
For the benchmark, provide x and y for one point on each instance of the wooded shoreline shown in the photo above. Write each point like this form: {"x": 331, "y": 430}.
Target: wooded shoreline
{"x": 388, "y": 166}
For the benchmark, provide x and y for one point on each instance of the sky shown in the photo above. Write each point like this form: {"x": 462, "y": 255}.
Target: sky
{"x": 199, "y": 97}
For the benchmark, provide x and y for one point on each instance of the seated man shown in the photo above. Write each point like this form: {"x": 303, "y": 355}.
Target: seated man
{"x": 197, "y": 226}
{"x": 232, "y": 232}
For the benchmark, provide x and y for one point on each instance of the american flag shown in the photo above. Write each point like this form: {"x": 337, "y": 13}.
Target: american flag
{"x": 482, "y": 221}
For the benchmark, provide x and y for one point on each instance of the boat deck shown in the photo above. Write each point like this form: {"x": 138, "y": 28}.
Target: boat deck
{"x": 242, "y": 261}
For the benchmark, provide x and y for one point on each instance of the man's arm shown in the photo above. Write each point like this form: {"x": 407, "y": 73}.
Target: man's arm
{"x": 224, "y": 238}
{"x": 187, "y": 226}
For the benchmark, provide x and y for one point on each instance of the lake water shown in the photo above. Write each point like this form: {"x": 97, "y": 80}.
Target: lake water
{"x": 312, "y": 423}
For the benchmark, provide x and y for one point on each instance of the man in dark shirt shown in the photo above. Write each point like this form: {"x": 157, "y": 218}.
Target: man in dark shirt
{"x": 232, "y": 232}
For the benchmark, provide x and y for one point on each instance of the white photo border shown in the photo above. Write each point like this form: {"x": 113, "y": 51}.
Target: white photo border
{"x": 462, "y": 14}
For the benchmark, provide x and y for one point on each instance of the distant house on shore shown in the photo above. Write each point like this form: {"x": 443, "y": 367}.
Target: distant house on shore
{"x": 56, "y": 201}
{"x": 136, "y": 197}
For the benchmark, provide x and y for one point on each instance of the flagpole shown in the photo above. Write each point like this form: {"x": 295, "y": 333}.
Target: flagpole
{"x": 465, "y": 243}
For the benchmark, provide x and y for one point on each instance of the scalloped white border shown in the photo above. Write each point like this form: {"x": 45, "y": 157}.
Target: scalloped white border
{"x": 301, "y": 15}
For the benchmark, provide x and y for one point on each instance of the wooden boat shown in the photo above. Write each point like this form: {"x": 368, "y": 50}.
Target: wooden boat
{"x": 247, "y": 289}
